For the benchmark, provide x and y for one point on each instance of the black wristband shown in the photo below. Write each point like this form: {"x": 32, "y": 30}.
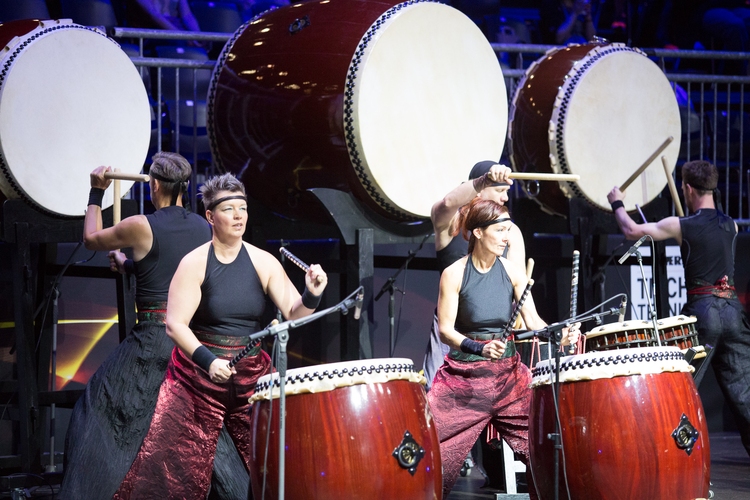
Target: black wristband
{"x": 309, "y": 300}
{"x": 617, "y": 204}
{"x": 96, "y": 195}
{"x": 470, "y": 346}
{"x": 129, "y": 266}
{"x": 203, "y": 357}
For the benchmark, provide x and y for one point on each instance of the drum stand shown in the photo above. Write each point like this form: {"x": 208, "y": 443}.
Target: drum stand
{"x": 281, "y": 332}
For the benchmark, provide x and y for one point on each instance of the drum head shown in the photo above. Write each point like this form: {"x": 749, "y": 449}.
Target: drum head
{"x": 70, "y": 100}
{"x": 429, "y": 101}
{"x": 612, "y": 113}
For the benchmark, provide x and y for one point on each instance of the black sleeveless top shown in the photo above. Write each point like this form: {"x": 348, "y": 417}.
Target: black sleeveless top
{"x": 457, "y": 248}
{"x": 484, "y": 301}
{"x": 232, "y": 300}
{"x": 176, "y": 233}
{"x": 708, "y": 246}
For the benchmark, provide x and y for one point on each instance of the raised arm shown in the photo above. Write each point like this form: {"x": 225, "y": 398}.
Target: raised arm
{"x": 667, "y": 228}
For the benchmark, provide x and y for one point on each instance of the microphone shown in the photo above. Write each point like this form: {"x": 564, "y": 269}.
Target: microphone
{"x": 632, "y": 249}
{"x": 358, "y": 304}
{"x": 623, "y": 308}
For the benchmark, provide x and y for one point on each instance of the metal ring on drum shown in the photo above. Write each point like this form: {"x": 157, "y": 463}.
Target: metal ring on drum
{"x": 394, "y": 105}
{"x": 678, "y": 331}
{"x": 70, "y": 100}
{"x": 598, "y": 111}
{"x": 631, "y": 422}
{"x": 355, "y": 426}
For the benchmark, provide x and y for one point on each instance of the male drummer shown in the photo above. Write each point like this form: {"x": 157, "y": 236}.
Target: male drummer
{"x": 707, "y": 241}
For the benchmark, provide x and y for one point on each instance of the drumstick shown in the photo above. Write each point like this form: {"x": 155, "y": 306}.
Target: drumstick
{"x": 516, "y": 311}
{"x": 672, "y": 188}
{"x": 289, "y": 255}
{"x": 123, "y": 176}
{"x": 646, "y": 163}
{"x": 538, "y": 176}
{"x": 574, "y": 293}
{"x": 116, "y": 208}
{"x": 518, "y": 325}
{"x": 249, "y": 347}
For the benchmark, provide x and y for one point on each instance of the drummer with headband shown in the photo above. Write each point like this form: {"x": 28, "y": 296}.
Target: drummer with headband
{"x": 483, "y": 379}
{"x": 487, "y": 180}
{"x": 111, "y": 419}
{"x": 216, "y": 300}
{"x": 707, "y": 240}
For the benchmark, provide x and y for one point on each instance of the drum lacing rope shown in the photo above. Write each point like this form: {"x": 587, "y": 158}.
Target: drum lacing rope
{"x": 340, "y": 373}
{"x": 613, "y": 359}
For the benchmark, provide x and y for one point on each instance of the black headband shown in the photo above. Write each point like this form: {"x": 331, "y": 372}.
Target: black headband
{"x": 489, "y": 223}
{"x": 222, "y": 200}
{"x": 178, "y": 185}
{"x": 158, "y": 177}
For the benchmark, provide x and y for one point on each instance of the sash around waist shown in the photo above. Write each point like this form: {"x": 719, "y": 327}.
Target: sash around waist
{"x": 226, "y": 345}
{"x": 510, "y": 348}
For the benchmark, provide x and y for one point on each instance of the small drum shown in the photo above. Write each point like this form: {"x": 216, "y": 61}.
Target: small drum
{"x": 353, "y": 429}
{"x": 632, "y": 426}
{"x": 678, "y": 331}
{"x": 599, "y": 111}
{"x": 70, "y": 101}
{"x": 393, "y": 102}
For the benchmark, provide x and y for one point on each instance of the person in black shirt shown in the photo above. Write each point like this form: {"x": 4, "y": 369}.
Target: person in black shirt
{"x": 707, "y": 240}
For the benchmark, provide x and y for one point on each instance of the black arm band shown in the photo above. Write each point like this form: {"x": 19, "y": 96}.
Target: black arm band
{"x": 129, "y": 266}
{"x": 309, "y": 300}
{"x": 203, "y": 357}
{"x": 470, "y": 346}
{"x": 96, "y": 195}
{"x": 617, "y": 204}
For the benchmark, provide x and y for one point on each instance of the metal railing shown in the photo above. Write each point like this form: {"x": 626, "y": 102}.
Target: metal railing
{"x": 714, "y": 119}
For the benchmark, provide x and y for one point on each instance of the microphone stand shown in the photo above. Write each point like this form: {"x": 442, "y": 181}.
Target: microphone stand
{"x": 554, "y": 333}
{"x": 281, "y": 331}
{"x": 651, "y": 308}
{"x": 390, "y": 287}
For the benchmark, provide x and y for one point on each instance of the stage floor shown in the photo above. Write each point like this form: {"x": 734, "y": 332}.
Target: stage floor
{"x": 730, "y": 474}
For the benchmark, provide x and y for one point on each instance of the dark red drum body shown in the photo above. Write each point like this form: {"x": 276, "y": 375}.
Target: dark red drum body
{"x": 392, "y": 102}
{"x": 598, "y": 111}
{"x": 356, "y": 429}
{"x": 632, "y": 426}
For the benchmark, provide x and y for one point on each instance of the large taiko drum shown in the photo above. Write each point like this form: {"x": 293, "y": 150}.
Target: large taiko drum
{"x": 70, "y": 100}
{"x": 599, "y": 111}
{"x": 393, "y": 102}
{"x": 678, "y": 331}
{"x": 355, "y": 429}
{"x": 632, "y": 426}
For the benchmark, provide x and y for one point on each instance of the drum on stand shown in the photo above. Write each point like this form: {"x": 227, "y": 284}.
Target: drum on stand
{"x": 70, "y": 100}
{"x": 393, "y": 102}
{"x": 354, "y": 429}
{"x": 632, "y": 426}
{"x": 599, "y": 111}
{"x": 677, "y": 331}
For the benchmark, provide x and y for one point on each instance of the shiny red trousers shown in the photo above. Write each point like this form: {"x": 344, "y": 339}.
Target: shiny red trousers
{"x": 176, "y": 457}
{"x": 466, "y": 396}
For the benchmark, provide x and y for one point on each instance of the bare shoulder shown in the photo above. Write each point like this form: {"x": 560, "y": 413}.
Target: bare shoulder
{"x": 453, "y": 274}
{"x": 515, "y": 272}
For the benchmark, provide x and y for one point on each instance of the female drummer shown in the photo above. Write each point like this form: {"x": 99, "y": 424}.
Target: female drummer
{"x": 111, "y": 419}
{"x": 216, "y": 299}
{"x": 482, "y": 380}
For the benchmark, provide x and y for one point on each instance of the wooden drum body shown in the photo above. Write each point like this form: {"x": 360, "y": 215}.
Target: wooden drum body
{"x": 393, "y": 102}
{"x": 70, "y": 101}
{"x": 599, "y": 111}
{"x": 356, "y": 429}
{"x": 632, "y": 426}
{"x": 677, "y": 331}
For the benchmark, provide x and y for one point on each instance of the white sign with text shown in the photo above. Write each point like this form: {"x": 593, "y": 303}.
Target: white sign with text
{"x": 639, "y": 301}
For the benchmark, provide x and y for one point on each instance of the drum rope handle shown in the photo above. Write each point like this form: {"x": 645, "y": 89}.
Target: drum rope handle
{"x": 509, "y": 326}
{"x": 574, "y": 293}
{"x": 297, "y": 261}
{"x": 249, "y": 347}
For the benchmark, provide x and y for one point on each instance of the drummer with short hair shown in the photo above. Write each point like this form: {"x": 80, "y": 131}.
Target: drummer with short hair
{"x": 707, "y": 239}
{"x": 216, "y": 300}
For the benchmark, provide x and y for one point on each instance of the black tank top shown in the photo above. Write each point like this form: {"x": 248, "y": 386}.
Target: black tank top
{"x": 232, "y": 300}
{"x": 484, "y": 301}
{"x": 708, "y": 247}
{"x": 176, "y": 233}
